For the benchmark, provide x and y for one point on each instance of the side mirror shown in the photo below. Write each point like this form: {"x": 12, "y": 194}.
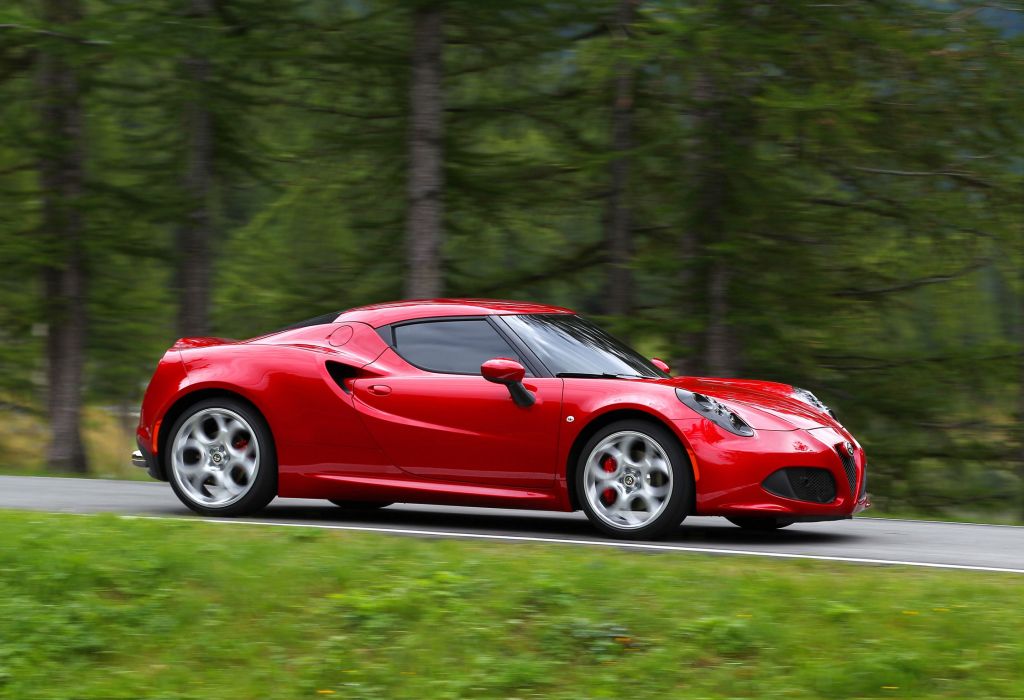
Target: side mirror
{"x": 660, "y": 364}
{"x": 502, "y": 370}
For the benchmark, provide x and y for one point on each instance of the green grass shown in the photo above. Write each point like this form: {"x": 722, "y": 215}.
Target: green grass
{"x": 101, "y": 607}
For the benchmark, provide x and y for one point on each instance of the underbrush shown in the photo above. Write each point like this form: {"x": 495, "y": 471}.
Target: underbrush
{"x": 24, "y": 435}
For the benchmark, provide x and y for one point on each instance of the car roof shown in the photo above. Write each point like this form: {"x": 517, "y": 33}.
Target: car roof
{"x": 378, "y": 315}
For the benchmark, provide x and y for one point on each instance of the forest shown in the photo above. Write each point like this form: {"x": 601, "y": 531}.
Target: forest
{"x": 828, "y": 194}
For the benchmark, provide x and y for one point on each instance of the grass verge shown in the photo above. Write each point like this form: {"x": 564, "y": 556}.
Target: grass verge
{"x": 101, "y": 607}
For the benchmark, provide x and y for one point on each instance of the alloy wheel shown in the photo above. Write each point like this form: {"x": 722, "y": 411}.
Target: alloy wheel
{"x": 215, "y": 457}
{"x": 628, "y": 479}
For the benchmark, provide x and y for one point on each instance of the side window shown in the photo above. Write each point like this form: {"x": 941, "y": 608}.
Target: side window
{"x": 453, "y": 347}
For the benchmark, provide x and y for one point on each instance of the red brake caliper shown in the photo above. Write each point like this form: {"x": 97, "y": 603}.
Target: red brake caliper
{"x": 608, "y": 495}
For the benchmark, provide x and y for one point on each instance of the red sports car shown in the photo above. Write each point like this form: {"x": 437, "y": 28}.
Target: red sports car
{"x": 487, "y": 403}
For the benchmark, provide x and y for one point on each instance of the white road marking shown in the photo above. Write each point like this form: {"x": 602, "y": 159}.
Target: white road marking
{"x": 616, "y": 544}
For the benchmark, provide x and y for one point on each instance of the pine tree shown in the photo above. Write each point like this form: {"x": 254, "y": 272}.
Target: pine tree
{"x": 61, "y": 178}
{"x": 424, "y": 227}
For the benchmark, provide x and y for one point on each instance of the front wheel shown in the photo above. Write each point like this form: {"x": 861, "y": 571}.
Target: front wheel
{"x": 634, "y": 480}
{"x": 760, "y": 524}
{"x": 221, "y": 458}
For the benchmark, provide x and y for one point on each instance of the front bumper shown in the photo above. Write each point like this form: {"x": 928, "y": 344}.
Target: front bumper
{"x": 731, "y": 470}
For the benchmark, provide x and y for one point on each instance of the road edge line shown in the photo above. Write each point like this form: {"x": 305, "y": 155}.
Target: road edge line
{"x": 615, "y": 544}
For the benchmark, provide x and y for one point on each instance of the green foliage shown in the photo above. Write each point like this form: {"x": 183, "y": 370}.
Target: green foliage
{"x": 853, "y": 168}
{"x": 101, "y": 607}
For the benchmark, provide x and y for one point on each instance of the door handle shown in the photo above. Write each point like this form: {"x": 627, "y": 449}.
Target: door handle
{"x": 379, "y": 389}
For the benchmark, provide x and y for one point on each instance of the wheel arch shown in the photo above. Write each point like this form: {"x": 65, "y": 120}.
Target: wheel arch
{"x": 182, "y": 404}
{"x": 605, "y": 419}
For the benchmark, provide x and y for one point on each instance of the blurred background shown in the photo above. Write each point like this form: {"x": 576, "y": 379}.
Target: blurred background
{"x": 829, "y": 194}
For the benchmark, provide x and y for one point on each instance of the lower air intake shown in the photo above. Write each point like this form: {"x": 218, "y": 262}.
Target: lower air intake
{"x": 802, "y": 484}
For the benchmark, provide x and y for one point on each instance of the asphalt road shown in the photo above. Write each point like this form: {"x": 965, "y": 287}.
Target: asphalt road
{"x": 862, "y": 540}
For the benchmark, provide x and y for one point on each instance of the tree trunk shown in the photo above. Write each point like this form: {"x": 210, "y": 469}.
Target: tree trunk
{"x": 426, "y": 176}
{"x": 721, "y": 348}
{"x": 689, "y": 344}
{"x": 196, "y": 229}
{"x": 1020, "y": 374}
{"x": 714, "y": 350}
{"x": 64, "y": 277}
{"x": 711, "y": 202}
{"x": 618, "y": 216}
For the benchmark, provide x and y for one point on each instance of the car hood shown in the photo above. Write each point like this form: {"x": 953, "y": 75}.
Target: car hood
{"x": 763, "y": 405}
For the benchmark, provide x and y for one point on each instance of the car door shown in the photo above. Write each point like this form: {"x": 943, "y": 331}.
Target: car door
{"x": 437, "y": 418}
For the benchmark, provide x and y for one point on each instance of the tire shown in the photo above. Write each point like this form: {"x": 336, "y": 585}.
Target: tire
{"x": 221, "y": 459}
{"x": 358, "y": 505}
{"x": 648, "y": 468}
{"x": 760, "y": 524}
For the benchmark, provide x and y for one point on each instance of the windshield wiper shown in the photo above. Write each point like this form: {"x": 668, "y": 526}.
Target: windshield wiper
{"x": 593, "y": 375}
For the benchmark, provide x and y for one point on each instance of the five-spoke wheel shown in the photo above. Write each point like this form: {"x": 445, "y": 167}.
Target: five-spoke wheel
{"x": 634, "y": 480}
{"x": 221, "y": 458}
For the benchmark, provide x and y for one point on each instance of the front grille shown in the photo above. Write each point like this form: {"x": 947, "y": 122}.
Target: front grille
{"x": 849, "y": 466}
{"x": 802, "y": 484}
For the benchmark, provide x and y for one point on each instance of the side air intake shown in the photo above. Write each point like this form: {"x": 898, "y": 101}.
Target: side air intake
{"x": 340, "y": 372}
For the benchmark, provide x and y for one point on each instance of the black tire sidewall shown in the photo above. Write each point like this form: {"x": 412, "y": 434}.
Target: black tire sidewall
{"x": 680, "y": 500}
{"x": 263, "y": 490}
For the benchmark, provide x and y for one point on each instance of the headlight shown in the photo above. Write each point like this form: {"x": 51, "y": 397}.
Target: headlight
{"x": 812, "y": 400}
{"x": 716, "y": 412}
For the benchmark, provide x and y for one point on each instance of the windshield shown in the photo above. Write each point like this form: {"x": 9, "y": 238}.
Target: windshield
{"x": 569, "y": 345}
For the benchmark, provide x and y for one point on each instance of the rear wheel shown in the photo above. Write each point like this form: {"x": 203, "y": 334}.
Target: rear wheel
{"x": 765, "y": 524}
{"x": 221, "y": 458}
{"x": 358, "y": 505}
{"x": 634, "y": 480}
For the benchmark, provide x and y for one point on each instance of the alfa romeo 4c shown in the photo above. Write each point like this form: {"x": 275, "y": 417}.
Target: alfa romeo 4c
{"x": 487, "y": 403}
